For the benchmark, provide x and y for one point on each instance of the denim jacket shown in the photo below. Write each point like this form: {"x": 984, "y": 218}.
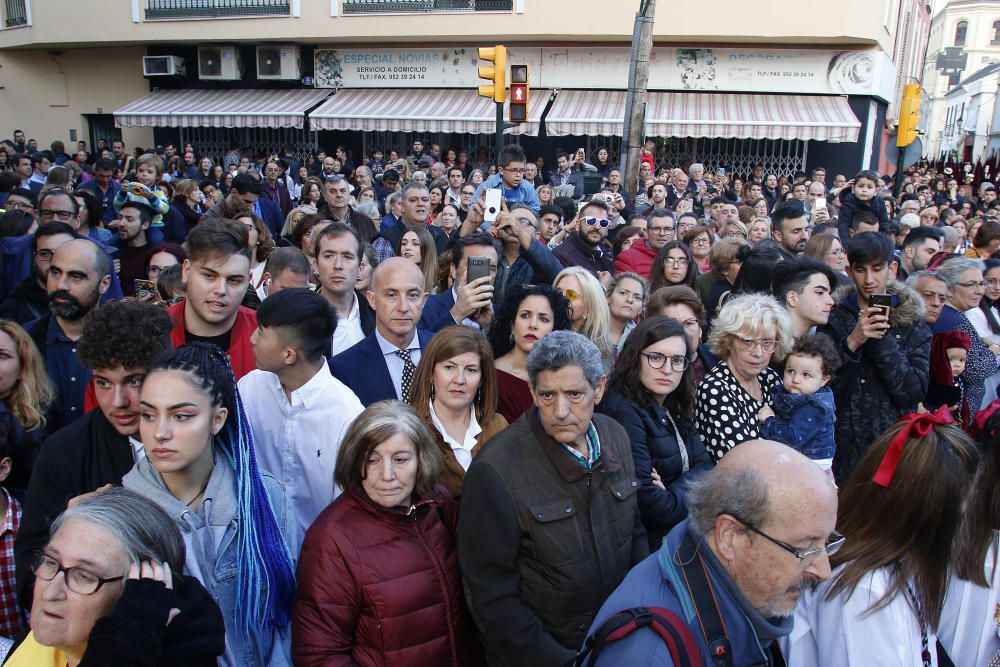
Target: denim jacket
{"x": 805, "y": 422}
{"x": 217, "y": 540}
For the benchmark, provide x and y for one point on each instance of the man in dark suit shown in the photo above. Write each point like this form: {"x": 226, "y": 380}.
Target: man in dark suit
{"x": 416, "y": 212}
{"x": 465, "y": 303}
{"x": 383, "y": 364}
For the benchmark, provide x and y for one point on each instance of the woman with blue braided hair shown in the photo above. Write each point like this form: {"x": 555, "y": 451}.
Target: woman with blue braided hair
{"x": 200, "y": 467}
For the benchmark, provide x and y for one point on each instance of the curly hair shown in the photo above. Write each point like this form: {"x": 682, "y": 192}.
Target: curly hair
{"x": 501, "y": 338}
{"x": 821, "y": 346}
{"x": 33, "y": 391}
{"x": 124, "y": 334}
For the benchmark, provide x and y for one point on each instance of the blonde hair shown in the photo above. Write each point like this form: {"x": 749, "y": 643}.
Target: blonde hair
{"x": 597, "y": 323}
{"x": 33, "y": 391}
{"x": 752, "y": 315}
{"x": 151, "y": 160}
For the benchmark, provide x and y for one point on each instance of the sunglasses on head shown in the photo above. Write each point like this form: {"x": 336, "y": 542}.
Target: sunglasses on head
{"x": 603, "y": 222}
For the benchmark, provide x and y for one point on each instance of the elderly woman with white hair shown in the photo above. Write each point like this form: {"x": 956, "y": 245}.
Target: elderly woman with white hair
{"x": 966, "y": 286}
{"x": 749, "y": 331}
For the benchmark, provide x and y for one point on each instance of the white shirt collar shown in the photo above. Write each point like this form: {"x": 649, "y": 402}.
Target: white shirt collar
{"x": 470, "y": 434}
{"x": 355, "y": 311}
{"x": 390, "y": 348}
{"x": 311, "y": 391}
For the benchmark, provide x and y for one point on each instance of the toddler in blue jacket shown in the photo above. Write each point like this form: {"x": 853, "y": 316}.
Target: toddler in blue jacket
{"x": 803, "y": 413}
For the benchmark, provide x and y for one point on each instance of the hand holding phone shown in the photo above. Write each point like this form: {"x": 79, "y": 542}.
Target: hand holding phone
{"x": 492, "y": 207}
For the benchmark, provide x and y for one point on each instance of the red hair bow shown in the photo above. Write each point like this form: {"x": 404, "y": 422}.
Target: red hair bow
{"x": 917, "y": 426}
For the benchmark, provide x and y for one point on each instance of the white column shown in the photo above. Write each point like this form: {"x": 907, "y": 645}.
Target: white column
{"x": 334, "y": 7}
{"x": 136, "y": 15}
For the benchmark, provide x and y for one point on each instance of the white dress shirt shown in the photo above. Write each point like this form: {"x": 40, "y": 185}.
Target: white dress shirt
{"x": 348, "y": 332}
{"x": 393, "y": 361}
{"x": 298, "y": 441}
{"x": 462, "y": 450}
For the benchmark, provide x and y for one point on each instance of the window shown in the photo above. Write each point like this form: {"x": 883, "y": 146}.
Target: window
{"x": 960, "y": 29}
{"x": 996, "y": 34}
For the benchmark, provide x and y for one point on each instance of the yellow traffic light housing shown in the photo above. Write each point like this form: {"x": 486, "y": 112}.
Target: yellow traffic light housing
{"x": 909, "y": 115}
{"x": 518, "y": 112}
{"x": 495, "y": 73}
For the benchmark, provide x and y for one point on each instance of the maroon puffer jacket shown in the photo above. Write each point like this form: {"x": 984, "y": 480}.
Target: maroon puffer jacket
{"x": 382, "y": 587}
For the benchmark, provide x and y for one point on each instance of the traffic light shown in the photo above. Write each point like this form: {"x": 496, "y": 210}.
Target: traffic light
{"x": 518, "y": 94}
{"x": 909, "y": 115}
{"x": 496, "y": 73}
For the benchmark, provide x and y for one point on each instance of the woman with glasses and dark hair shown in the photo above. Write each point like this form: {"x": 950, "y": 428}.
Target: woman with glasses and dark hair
{"x": 651, "y": 393}
{"x": 673, "y": 265}
{"x": 527, "y": 313}
{"x": 901, "y": 509}
{"x": 122, "y": 598}
{"x": 699, "y": 240}
{"x": 749, "y": 331}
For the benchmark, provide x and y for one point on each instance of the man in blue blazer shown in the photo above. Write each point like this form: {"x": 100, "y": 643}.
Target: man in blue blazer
{"x": 381, "y": 366}
{"x": 464, "y": 303}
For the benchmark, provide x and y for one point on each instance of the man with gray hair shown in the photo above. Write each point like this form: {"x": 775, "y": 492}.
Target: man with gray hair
{"x": 557, "y": 491}
{"x": 760, "y": 530}
{"x": 932, "y": 289}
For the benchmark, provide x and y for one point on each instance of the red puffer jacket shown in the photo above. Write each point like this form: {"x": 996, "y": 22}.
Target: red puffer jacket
{"x": 382, "y": 587}
{"x": 637, "y": 259}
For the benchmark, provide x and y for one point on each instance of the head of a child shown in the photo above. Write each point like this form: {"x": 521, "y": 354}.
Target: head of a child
{"x": 811, "y": 363}
{"x": 865, "y": 185}
{"x": 956, "y": 359}
{"x": 148, "y": 169}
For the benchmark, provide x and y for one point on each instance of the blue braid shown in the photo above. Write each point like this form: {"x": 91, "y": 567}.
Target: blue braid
{"x": 265, "y": 577}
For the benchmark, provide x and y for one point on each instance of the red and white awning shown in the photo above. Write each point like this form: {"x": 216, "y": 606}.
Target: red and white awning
{"x": 246, "y": 107}
{"x": 724, "y": 115}
{"x": 418, "y": 110}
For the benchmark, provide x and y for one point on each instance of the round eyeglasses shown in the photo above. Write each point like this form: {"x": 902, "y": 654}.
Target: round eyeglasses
{"x": 657, "y": 361}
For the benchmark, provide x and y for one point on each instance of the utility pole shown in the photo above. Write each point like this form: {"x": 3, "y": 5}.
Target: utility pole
{"x": 635, "y": 105}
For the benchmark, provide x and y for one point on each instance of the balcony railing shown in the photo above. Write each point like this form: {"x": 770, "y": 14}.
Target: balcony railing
{"x": 212, "y": 9}
{"x": 425, "y": 6}
{"x": 16, "y": 14}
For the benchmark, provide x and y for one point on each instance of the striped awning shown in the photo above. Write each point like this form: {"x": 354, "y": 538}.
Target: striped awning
{"x": 220, "y": 108}
{"x": 419, "y": 110}
{"x": 723, "y": 115}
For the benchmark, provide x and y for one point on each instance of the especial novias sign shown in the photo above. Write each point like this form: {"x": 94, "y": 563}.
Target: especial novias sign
{"x": 822, "y": 72}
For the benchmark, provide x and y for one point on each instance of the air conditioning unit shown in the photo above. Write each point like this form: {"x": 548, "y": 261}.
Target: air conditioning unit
{"x": 278, "y": 61}
{"x": 162, "y": 66}
{"x": 220, "y": 63}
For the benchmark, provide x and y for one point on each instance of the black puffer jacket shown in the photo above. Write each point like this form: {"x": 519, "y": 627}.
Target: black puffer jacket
{"x": 883, "y": 380}
{"x": 654, "y": 445}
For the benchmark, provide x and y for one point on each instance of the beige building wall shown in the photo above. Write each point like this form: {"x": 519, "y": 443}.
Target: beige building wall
{"x": 48, "y": 95}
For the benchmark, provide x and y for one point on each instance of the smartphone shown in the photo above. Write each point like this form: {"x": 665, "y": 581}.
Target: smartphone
{"x": 721, "y": 171}
{"x": 883, "y": 301}
{"x": 492, "y": 208}
{"x": 820, "y": 203}
{"x": 144, "y": 289}
{"x": 478, "y": 267}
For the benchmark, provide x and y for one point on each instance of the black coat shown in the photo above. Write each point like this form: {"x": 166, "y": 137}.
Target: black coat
{"x": 26, "y": 303}
{"x": 654, "y": 445}
{"x": 80, "y": 458}
{"x": 574, "y": 251}
{"x": 885, "y": 379}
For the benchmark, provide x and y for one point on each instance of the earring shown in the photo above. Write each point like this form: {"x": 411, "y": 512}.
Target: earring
{"x": 432, "y": 392}
{"x": 479, "y": 395}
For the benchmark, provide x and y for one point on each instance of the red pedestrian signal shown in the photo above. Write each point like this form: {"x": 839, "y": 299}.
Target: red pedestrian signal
{"x": 518, "y": 94}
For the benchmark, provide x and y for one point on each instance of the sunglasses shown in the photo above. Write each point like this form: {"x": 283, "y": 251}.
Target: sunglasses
{"x": 603, "y": 222}
{"x": 570, "y": 294}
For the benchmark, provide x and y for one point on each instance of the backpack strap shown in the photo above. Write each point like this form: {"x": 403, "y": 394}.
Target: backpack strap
{"x": 702, "y": 593}
{"x": 674, "y": 632}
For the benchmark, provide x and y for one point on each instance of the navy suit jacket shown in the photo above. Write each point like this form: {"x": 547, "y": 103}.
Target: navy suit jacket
{"x": 437, "y": 312}
{"x": 270, "y": 213}
{"x": 362, "y": 368}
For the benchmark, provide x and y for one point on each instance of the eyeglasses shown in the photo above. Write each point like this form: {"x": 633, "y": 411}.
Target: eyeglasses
{"x": 675, "y": 261}
{"x": 603, "y": 222}
{"x": 748, "y": 344}
{"x": 16, "y": 205}
{"x": 973, "y": 284}
{"x": 78, "y": 580}
{"x": 512, "y": 171}
{"x": 155, "y": 270}
{"x": 570, "y": 294}
{"x": 657, "y": 361}
{"x": 831, "y": 547}
{"x": 62, "y": 215}
{"x": 701, "y": 240}
{"x": 660, "y": 230}
{"x": 44, "y": 254}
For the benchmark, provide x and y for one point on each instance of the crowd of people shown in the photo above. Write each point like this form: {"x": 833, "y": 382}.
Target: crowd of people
{"x": 263, "y": 411}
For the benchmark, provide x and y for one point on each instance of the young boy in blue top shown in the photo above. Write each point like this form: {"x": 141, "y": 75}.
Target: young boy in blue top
{"x": 803, "y": 414}
{"x": 509, "y": 179}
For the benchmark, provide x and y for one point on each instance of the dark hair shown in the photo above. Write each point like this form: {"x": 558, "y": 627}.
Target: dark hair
{"x": 623, "y": 234}
{"x": 216, "y": 237}
{"x": 657, "y": 279}
{"x": 15, "y": 223}
{"x": 550, "y": 208}
{"x": 124, "y": 334}
{"x": 105, "y": 164}
{"x": 786, "y": 211}
{"x": 287, "y": 259}
{"x": 306, "y": 315}
{"x": 458, "y": 248}
{"x": 500, "y": 334}
{"x": 94, "y": 206}
{"x": 567, "y": 205}
{"x": 169, "y": 281}
{"x": 447, "y": 343}
{"x": 510, "y": 153}
{"x": 987, "y": 232}
{"x": 818, "y": 345}
{"x": 626, "y": 375}
{"x": 981, "y": 517}
{"x": 599, "y": 203}
{"x": 145, "y": 212}
{"x": 757, "y": 272}
{"x": 867, "y": 174}
{"x": 305, "y": 224}
{"x": 334, "y": 231}
{"x": 921, "y": 234}
{"x": 794, "y": 275}
{"x": 862, "y": 216}
{"x": 172, "y": 248}
{"x": 674, "y": 295}
{"x": 869, "y": 248}
{"x": 53, "y": 228}
{"x": 59, "y": 192}
{"x": 27, "y": 194}
{"x": 244, "y": 183}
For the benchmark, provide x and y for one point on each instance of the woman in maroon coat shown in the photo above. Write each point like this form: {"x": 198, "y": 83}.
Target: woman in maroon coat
{"x": 379, "y": 582}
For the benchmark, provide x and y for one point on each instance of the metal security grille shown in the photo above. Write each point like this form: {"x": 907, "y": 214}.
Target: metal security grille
{"x": 425, "y": 6}
{"x": 208, "y": 9}
{"x": 16, "y": 14}
{"x": 738, "y": 156}
{"x": 214, "y": 141}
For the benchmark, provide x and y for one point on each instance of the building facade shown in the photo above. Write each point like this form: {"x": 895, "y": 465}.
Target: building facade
{"x": 738, "y": 85}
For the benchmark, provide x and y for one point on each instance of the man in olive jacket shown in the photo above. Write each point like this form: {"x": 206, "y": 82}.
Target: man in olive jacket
{"x": 549, "y": 523}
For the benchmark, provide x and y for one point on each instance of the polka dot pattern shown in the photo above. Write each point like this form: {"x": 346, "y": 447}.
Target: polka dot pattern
{"x": 725, "y": 414}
